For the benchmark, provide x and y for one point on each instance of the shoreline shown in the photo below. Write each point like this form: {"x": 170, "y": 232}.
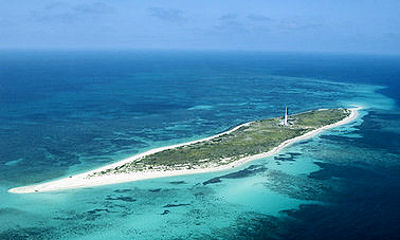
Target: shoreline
{"x": 82, "y": 180}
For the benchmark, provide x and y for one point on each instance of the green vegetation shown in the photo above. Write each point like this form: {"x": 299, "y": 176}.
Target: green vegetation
{"x": 254, "y": 138}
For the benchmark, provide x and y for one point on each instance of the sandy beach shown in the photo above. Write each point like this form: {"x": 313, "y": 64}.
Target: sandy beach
{"x": 82, "y": 180}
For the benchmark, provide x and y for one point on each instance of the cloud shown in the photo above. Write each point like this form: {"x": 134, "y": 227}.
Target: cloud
{"x": 45, "y": 17}
{"x": 169, "y": 15}
{"x": 64, "y": 13}
{"x": 230, "y": 24}
{"x": 56, "y": 5}
{"x": 257, "y": 17}
{"x": 228, "y": 17}
{"x": 294, "y": 24}
{"x": 94, "y": 8}
{"x": 231, "y": 27}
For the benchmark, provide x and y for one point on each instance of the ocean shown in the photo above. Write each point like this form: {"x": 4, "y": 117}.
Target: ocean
{"x": 65, "y": 112}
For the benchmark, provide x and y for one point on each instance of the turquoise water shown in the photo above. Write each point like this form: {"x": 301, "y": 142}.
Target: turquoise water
{"x": 68, "y": 112}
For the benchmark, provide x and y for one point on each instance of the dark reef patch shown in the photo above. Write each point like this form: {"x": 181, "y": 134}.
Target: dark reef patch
{"x": 177, "y": 182}
{"x": 165, "y": 212}
{"x": 89, "y": 215}
{"x": 92, "y": 215}
{"x": 176, "y": 205}
{"x": 155, "y": 190}
{"x": 247, "y": 172}
{"x": 290, "y": 156}
{"x": 96, "y": 210}
{"x": 120, "y": 198}
{"x": 123, "y": 190}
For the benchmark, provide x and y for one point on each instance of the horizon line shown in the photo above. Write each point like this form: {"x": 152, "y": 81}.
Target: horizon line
{"x": 230, "y": 50}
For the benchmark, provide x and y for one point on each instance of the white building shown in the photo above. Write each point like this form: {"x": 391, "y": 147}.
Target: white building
{"x": 286, "y": 117}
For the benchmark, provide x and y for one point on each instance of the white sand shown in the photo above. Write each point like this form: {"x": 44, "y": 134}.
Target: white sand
{"x": 82, "y": 180}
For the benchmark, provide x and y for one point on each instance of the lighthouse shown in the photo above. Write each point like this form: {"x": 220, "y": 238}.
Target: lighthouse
{"x": 286, "y": 116}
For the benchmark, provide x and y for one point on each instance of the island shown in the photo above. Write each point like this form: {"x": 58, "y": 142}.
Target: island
{"x": 241, "y": 144}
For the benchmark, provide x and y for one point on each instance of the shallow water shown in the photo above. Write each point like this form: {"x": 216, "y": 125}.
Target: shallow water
{"x": 68, "y": 112}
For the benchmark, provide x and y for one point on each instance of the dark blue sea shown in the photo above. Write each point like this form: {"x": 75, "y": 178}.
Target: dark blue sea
{"x": 66, "y": 112}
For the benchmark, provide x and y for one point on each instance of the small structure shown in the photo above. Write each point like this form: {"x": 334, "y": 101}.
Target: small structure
{"x": 286, "y": 117}
{"x": 285, "y": 121}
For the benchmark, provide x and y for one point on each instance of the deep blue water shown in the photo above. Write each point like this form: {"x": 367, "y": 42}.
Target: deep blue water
{"x": 66, "y": 112}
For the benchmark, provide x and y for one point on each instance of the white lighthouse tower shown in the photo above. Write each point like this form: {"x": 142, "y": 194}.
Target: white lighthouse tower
{"x": 286, "y": 116}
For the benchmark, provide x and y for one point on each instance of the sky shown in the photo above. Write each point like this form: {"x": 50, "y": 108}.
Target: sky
{"x": 344, "y": 26}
